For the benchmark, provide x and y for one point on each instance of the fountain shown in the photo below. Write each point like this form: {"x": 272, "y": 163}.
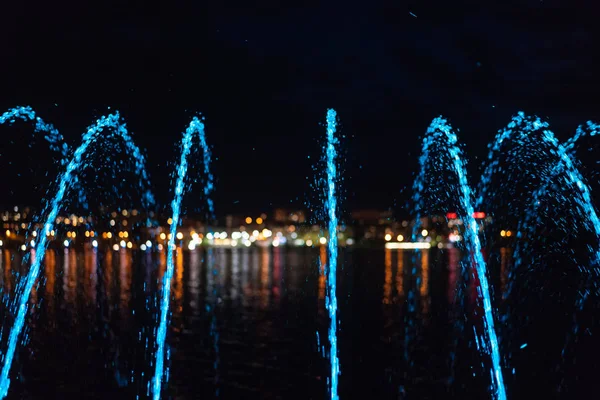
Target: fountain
{"x": 549, "y": 165}
{"x": 332, "y": 249}
{"x": 65, "y": 181}
{"x": 195, "y": 127}
{"x": 439, "y": 130}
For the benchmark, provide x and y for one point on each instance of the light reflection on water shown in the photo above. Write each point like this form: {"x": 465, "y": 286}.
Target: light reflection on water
{"x": 268, "y": 303}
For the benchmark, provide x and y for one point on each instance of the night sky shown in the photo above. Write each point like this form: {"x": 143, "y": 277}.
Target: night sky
{"x": 263, "y": 74}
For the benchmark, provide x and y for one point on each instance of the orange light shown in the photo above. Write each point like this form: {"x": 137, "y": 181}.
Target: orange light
{"x": 248, "y": 220}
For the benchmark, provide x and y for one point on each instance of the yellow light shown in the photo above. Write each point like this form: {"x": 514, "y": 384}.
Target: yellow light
{"x": 248, "y": 220}
{"x": 67, "y": 221}
{"x": 109, "y": 235}
{"x": 322, "y": 240}
{"x": 309, "y": 242}
{"x": 52, "y": 232}
{"x": 7, "y": 233}
{"x": 73, "y": 234}
{"x": 125, "y": 235}
{"x": 129, "y": 245}
{"x": 503, "y": 233}
{"x": 163, "y": 236}
{"x": 388, "y": 237}
{"x": 508, "y": 233}
{"x": 170, "y": 221}
{"x": 124, "y": 212}
{"x": 87, "y": 233}
{"x": 400, "y": 238}
{"x": 424, "y": 232}
{"x": 179, "y": 235}
{"x": 259, "y": 220}
{"x": 69, "y": 234}
{"x": 169, "y": 236}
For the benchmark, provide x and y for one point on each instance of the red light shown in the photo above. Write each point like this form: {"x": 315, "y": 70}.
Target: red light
{"x": 451, "y": 216}
{"x": 479, "y": 215}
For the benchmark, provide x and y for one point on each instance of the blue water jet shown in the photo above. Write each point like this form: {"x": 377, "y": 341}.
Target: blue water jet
{"x": 332, "y": 249}
{"x": 195, "y": 127}
{"x": 52, "y": 136}
{"x": 518, "y": 131}
{"x": 441, "y": 130}
{"x": 65, "y": 183}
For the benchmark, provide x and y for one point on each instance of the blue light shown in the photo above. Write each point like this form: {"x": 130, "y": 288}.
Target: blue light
{"x": 332, "y": 247}
{"x": 195, "y": 127}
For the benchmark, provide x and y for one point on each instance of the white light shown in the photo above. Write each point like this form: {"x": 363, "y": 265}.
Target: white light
{"x": 148, "y": 244}
{"x": 234, "y": 243}
{"x": 424, "y": 232}
{"x": 247, "y": 243}
{"x": 95, "y": 243}
{"x": 209, "y": 236}
{"x": 267, "y": 233}
{"x": 223, "y": 235}
{"x": 179, "y": 235}
{"x": 115, "y": 247}
{"x": 34, "y": 233}
{"x": 160, "y": 247}
{"x": 122, "y": 243}
{"x": 66, "y": 243}
{"x": 255, "y": 233}
{"x": 298, "y": 242}
{"x": 236, "y": 235}
{"x": 388, "y": 237}
{"x": 322, "y": 240}
{"x": 407, "y": 245}
{"x": 400, "y": 238}
{"x": 23, "y": 247}
{"x": 191, "y": 245}
{"x": 275, "y": 243}
{"x": 453, "y": 237}
{"x": 143, "y": 247}
{"x": 349, "y": 241}
{"x": 294, "y": 235}
{"x": 32, "y": 243}
{"x": 1, "y": 243}
{"x": 309, "y": 242}
{"x": 245, "y": 235}
{"x": 112, "y": 222}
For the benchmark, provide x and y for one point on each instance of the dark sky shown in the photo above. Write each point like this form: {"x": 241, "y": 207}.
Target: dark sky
{"x": 263, "y": 75}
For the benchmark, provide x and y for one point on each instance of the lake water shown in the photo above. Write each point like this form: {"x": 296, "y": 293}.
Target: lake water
{"x": 245, "y": 323}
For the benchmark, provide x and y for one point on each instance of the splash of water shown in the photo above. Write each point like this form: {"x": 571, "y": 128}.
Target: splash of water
{"x": 332, "y": 249}
{"x": 65, "y": 183}
{"x": 195, "y": 127}
{"x": 441, "y": 130}
{"x": 519, "y": 131}
{"x": 52, "y": 136}
{"x": 566, "y": 172}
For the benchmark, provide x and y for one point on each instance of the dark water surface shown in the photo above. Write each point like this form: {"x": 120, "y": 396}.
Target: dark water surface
{"x": 245, "y": 323}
